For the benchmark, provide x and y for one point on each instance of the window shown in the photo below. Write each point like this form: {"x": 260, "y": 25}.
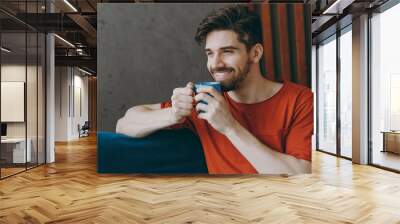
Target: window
{"x": 346, "y": 93}
{"x": 327, "y": 96}
{"x": 385, "y": 88}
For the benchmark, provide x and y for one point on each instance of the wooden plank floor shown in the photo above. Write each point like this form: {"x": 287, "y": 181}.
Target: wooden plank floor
{"x": 70, "y": 191}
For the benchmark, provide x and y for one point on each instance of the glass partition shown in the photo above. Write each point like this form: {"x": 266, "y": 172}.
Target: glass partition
{"x": 22, "y": 101}
{"x": 41, "y": 91}
{"x": 14, "y": 153}
{"x": 31, "y": 100}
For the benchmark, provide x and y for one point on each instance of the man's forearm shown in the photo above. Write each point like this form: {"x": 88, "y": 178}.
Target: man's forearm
{"x": 264, "y": 159}
{"x": 140, "y": 123}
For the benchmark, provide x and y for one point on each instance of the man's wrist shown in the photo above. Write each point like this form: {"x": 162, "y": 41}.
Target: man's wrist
{"x": 172, "y": 118}
{"x": 232, "y": 129}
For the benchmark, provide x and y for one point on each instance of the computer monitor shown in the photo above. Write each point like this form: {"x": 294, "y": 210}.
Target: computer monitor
{"x": 3, "y": 129}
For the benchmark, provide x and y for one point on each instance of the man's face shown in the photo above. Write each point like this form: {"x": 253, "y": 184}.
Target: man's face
{"x": 227, "y": 59}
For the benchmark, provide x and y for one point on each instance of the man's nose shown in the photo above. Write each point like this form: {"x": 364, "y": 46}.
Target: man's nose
{"x": 217, "y": 61}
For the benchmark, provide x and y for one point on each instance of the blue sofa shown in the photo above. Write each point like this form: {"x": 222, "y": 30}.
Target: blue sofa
{"x": 166, "y": 151}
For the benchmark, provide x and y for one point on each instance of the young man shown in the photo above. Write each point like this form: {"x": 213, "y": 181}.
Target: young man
{"x": 255, "y": 125}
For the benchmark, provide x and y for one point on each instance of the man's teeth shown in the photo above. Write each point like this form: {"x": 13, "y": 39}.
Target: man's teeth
{"x": 223, "y": 73}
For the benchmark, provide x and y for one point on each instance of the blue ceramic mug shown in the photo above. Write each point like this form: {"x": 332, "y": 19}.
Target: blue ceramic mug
{"x": 200, "y": 85}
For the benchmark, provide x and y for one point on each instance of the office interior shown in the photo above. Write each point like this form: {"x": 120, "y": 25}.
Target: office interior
{"x": 48, "y": 82}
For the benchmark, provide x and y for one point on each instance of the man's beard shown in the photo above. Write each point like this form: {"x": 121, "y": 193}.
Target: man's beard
{"x": 234, "y": 82}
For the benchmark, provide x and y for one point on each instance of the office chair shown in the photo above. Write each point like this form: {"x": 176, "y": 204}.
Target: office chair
{"x": 84, "y": 130}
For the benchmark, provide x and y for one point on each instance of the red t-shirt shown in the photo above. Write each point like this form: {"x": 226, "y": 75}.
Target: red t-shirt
{"x": 283, "y": 122}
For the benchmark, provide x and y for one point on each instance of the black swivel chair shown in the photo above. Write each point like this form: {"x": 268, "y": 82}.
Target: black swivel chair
{"x": 84, "y": 130}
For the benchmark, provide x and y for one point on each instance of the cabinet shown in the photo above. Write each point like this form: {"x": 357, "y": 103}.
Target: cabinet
{"x": 391, "y": 141}
{"x": 13, "y": 150}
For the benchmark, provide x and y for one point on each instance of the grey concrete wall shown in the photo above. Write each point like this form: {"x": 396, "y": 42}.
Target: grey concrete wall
{"x": 144, "y": 52}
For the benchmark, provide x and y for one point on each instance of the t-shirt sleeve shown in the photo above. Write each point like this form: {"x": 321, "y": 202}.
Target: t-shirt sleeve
{"x": 298, "y": 141}
{"x": 186, "y": 124}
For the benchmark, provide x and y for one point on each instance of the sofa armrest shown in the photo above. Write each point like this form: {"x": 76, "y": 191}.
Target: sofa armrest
{"x": 165, "y": 151}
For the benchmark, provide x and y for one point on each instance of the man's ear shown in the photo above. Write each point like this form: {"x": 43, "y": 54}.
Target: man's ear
{"x": 256, "y": 52}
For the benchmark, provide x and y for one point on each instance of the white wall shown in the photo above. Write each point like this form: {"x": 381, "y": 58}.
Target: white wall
{"x": 62, "y": 81}
{"x": 70, "y": 83}
{"x": 79, "y": 117}
{"x": 10, "y": 73}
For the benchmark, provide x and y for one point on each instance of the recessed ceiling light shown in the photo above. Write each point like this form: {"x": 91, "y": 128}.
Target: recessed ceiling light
{"x": 65, "y": 41}
{"x": 84, "y": 71}
{"x": 5, "y": 50}
{"x": 337, "y": 7}
{"x": 70, "y": 5}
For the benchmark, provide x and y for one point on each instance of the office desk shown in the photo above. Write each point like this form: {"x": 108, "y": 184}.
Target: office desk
{"x": 13, "y": 150}
{"x": 391, "y": 141}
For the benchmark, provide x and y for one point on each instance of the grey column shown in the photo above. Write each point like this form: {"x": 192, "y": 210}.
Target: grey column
{"x": 360, "y": 90}
{"x": 50, "y": 93}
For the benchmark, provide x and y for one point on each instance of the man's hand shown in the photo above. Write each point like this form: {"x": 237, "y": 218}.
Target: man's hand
{"x": 182, "y": 102}
{"x": 216, "y": 111}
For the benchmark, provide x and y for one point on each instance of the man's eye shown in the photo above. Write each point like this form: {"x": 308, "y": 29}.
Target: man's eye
{"x": 228, "y": 51}
{"x": 209, "y": 54}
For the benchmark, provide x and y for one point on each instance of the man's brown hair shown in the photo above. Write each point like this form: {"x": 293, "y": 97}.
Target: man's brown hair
{"x": 237, "y": 18}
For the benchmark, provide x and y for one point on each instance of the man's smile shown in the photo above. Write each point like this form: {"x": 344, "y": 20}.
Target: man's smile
{"x": 222, "y": 74}
{"x": 219, "y": 76}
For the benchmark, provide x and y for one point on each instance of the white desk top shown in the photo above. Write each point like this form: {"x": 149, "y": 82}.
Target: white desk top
{"x": 13, "y": 140}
